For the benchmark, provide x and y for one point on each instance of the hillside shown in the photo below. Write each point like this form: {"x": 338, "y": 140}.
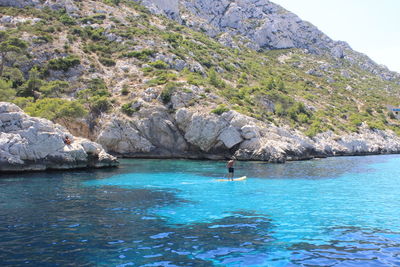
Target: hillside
{"x": 261, "y": 25}
{"x": 135, "y": 82}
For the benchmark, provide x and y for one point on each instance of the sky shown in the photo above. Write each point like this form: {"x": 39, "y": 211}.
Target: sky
{"x": 371, "y": 27}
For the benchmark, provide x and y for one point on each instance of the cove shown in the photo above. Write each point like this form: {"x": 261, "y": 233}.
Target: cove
{"x": 337, "y": 211}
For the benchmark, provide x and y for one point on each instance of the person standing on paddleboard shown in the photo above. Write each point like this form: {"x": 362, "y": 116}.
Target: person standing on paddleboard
{"x": 231, "y": 169}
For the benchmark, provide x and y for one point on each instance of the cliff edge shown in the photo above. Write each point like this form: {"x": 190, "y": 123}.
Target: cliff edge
{"x": 33, "y": 144}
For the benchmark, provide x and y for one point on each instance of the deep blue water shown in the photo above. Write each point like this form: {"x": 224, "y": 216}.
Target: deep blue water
{"x": 338, "y": 211}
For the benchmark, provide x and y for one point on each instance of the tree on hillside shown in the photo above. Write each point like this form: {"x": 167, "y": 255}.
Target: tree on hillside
{"x": 6, "y": 92}
{"x": 9, "y": 44}
{"x": 32, "y": 85}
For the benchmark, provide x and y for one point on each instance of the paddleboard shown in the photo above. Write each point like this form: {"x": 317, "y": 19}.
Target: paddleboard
{"x": 229, "y": 180}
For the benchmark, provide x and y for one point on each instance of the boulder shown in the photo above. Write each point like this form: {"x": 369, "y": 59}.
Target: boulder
{"x": 250, "y": 132}
{"x": 203, "y": 131}
{"x": 230, "y": 137}
{"x": 31, "y": 144}
{"x": 121, "y": 137}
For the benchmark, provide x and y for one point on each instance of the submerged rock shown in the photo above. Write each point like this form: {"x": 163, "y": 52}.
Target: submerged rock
{"x": 31, "y": 144}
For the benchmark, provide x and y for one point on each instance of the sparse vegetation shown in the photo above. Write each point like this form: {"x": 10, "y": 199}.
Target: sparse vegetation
{"x": 128, "y": 109}
{"x": 108, "y": 62}
{"x": 258, "y": 84}
{"x": 63, "y": 63}
{"x": 222, "y": 108}
{"x": 166, "y": 94}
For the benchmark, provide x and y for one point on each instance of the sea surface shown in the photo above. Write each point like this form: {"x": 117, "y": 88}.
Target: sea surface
{"x": 341, "y": 211}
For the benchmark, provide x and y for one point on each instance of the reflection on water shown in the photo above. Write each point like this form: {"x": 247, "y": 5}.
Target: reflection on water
{"x": 338, "y": 211}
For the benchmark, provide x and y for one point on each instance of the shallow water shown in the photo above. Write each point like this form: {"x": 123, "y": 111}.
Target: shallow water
{"x": 338, "y": 211}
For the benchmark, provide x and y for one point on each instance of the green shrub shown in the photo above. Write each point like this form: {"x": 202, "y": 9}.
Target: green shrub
{"x": 356, "y": 120}
{"x": 195, "y": 79}
{"x": 159, "y": 64}
{"x": 214, "y": 79}
{"x": 125, "y": 91}
{"x": 97, "y": 47}
{"x": 55, "y": 108}
{"x": 280, "y": 110}
{"x": 167, "y": 92}
{"x": 128, "y": 110}
{"x": 302, "y": 118}
{"x": 297, "y": 109}
{"x": 141, "y": 55}
{"x": 112, "y": 2}
{"x": 314, "y": 129}
{"x": 99, "y": 104}
{"x": 54, "y": 88}
{"x": 108, "y": 62}
{"x": 14, "y": 75}
{"x": 89, "y": 32}
{"x": 67, "y": 20}
{"x": 6, "y": 92}
{"x": 96, "y": 87}
{"x": 220, "y": 109}
{"x": 64, "y": 63}
{"x": 44, "y": 38}
{"x": 173, "y": 38}
{"x": 32, "y": 85}
{"x": 147, "y": 69}
{"x": 376, "y": 125}
{"x": 22, "y": 102}
{"x": 162, "y": 78}
{"x": 96, "y": 18}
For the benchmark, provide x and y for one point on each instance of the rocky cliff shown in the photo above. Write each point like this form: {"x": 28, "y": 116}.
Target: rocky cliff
{"x": 32, "y": 144}
{"x": 260, "y": 24}
{"x": 153, "y": 132}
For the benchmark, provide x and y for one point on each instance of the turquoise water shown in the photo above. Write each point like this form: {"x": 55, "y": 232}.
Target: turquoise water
{"x": 338, "y": 211}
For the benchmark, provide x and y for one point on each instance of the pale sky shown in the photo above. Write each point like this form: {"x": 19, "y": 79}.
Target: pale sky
{"x": 368, "y": 26}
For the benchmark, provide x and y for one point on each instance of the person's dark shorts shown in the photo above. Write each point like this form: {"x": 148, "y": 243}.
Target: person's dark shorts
{"x": 231, "y": 170}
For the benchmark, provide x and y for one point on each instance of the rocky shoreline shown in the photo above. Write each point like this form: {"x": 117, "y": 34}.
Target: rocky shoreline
{"x": 34, "y": 144}
{"x": 155, "y": 132}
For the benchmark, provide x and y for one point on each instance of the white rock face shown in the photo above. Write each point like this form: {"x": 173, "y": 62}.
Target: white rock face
{"x": 120, "y": 136}
{"x": 230, "y": 137}
{"x": 28, "y": 143}
{"x": 196, "y": 134}
{"x": 165, "y": 7}
{"x": 365, "y": 142}
{"x": 203, "y": 131}
{"x": 152, "y": 132}
{"x": 68, "y": 5}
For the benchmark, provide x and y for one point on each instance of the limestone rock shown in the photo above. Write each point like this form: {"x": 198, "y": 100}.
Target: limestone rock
{"x": 198, "y": 134}
{"x": 28, "y": 143}
{"x": 151, "y": 132}
{"x": 230, "y": 137}
{"x": 68, "y": 5}
{"x": 250, "y": 132}
{"x": 121, "y": 137}
{"x": 19, "y": 3}
{"x": 204, "y": 130}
